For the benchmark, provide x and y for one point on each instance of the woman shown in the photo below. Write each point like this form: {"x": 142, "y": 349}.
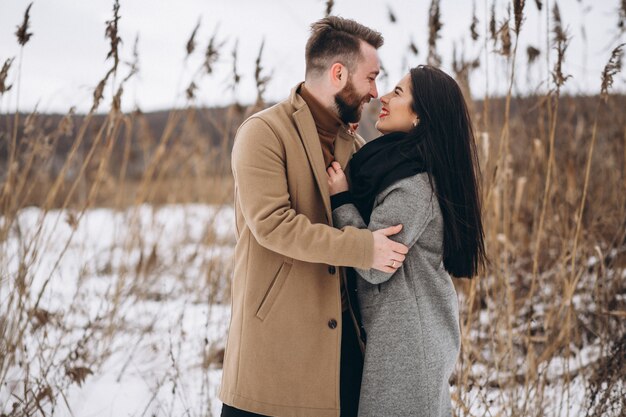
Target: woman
{"x": 422, "y": 173}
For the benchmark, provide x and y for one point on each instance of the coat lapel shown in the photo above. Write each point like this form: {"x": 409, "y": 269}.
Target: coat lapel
{"x": 311, "y": 141}
{"x": 344, "y": 147}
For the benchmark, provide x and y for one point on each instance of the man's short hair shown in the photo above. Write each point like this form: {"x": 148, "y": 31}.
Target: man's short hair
{"x": 335, "y": 39}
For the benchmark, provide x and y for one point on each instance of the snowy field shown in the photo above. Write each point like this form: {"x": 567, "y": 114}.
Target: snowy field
{"x": 133, "y": 312}
{"x": 138, "y": 298}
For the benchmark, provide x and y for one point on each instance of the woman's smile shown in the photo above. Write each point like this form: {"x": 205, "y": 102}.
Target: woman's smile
{"x": 400, "y": 101}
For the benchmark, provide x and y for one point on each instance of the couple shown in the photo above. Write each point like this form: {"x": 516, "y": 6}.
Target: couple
{"x": 331, "y": 317}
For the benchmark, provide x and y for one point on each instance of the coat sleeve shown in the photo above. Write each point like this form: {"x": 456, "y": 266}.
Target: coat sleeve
{"x": 409, "y": 202}
{"x": 259, "y": 169}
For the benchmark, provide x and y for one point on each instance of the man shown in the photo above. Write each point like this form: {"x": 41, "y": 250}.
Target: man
{"x": 288, "y": 334}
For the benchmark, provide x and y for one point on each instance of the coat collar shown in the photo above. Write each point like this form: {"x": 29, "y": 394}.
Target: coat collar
{"x": 344, "y": 145}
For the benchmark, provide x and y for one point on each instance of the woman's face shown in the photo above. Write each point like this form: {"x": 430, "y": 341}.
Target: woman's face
{"x": 397, "y": 114}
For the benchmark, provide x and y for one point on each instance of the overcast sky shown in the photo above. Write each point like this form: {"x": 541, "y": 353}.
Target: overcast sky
{"x": 65, "y": 58}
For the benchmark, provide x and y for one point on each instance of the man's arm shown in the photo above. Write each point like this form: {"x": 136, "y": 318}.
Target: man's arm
{"x": 258, "y": 162}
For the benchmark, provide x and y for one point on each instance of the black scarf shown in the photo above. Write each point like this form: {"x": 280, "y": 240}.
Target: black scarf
{"x": 380, "y": 163}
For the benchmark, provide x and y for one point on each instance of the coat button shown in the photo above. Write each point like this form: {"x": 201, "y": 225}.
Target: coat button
{"x": 332, "y": 323}
{"x": 332, "y": 270}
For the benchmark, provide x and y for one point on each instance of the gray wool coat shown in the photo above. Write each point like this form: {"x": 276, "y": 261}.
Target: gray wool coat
{"x": 410, "y": 317}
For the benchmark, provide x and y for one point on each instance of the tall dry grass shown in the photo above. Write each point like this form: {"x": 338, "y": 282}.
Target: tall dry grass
{"x": 543, "y": 324}
{"x": 556, "y": 237}
{"x": 115, "y": 160}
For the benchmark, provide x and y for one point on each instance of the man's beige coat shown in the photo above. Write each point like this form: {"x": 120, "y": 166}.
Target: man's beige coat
{"x": 284, "y": 344}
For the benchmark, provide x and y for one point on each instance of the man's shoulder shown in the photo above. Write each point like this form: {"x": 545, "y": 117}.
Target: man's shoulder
{"x": 267, "y": 126}
{"x": 279, "y": 113}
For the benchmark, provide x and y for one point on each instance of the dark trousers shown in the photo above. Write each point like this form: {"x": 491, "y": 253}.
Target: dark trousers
{"x": 228, "y": 411}
{"x": 350, "y": 375}
{"x": 351, "y": 368}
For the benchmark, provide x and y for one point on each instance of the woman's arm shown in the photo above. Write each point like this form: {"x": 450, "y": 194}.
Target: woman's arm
{"x": 340, "y": 195}
{"x": 409, "y": 202}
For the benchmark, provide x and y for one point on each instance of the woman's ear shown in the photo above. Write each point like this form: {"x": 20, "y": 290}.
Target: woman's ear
{"x": 416, "y": 119}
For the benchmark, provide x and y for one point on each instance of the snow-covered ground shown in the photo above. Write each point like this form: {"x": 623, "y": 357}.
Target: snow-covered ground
{"x": 134, "y": 312}
{"x": 138, "y": 297}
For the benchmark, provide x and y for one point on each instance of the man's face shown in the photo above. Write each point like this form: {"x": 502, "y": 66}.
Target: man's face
{"x": 360, "y": 87}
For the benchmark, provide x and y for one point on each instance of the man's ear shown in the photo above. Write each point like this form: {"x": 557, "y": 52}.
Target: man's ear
{"x": 338, "y": 75}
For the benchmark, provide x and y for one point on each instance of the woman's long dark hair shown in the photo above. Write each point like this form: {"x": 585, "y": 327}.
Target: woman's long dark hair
{"x": 449, "y": 152}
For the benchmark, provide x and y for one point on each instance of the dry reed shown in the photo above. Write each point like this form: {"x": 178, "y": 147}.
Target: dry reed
{"x": 191, "y": 43}
{"x": 532, "y": 53}
{"x": 391, "y": 14}
{"x": 434, "y": 27}
{"x": 329, "y": 7}
{"x": 546, "y": 314}
{"x": 22, "y": 33}
{"x": 474, "y": 26}
{"x": 4, "y": 73}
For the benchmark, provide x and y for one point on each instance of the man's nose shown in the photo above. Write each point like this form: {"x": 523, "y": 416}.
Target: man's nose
{"x": 374, "y": 91}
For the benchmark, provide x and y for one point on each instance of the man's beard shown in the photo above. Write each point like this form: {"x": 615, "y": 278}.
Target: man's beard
{"x": 349, "y": 103}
